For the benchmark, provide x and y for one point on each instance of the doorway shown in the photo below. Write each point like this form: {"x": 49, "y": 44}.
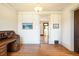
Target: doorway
{"x": 76, "y": 30}
{"x": 45, "y": 33}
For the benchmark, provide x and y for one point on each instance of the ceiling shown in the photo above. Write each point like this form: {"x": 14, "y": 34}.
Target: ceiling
{"x": 45, "y": 6}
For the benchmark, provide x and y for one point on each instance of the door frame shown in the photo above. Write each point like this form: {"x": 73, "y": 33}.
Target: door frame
{"x": 72, "y": 15}
{"x": 74, "y": 27}
{"x": 48, "y": 31}
{"x": 43, "y": 33}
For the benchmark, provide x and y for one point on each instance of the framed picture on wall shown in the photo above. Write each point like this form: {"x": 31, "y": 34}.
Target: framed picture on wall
{"x": 27, "y": 26}
{"x": 55, "y": 26}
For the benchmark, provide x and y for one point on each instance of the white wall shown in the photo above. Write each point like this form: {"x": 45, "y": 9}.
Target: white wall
{"x": 31, "y": 36}
{"x": 68, "y": 27}
{"x": 54, "y": 34}
{"x": 8, "y": 18}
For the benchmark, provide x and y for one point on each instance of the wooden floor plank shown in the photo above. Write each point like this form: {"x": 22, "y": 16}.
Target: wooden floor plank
{"x": 43, "y": 50}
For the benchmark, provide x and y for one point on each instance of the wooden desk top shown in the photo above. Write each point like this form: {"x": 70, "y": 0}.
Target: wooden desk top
{"x": 6, "y": 41}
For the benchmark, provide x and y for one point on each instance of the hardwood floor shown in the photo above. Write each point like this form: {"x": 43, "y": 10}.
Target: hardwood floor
{"x": 43, "y": 50}
{"x": 44, "y": 39}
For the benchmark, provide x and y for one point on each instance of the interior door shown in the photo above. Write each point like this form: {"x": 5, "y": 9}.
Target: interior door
{"x": 76, "y": 30}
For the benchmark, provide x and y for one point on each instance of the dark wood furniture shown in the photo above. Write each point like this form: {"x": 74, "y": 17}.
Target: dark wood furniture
{"x": 10, "y": 43}
{"x": 76, "y": 30}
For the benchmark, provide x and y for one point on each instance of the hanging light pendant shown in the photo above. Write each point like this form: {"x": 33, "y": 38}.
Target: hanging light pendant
{"x": 38, "y": 9}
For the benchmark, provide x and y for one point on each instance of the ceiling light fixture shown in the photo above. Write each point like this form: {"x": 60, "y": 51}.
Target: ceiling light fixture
{"x": 38, "y": 9}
